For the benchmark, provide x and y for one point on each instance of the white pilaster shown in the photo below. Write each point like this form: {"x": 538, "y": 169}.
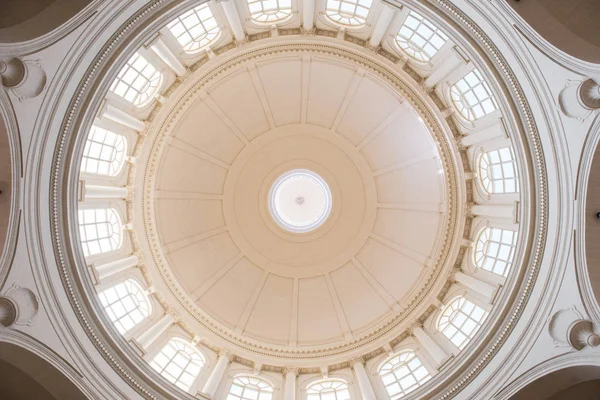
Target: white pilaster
{"x": 165, "y": 54}
{"x": 478, "y": 286}
{"x": 216, "y": 376}
{"x": 382, "y": 25}
{"x": 103, "y": 271}
{"x": 431, "y": 347}
{"x": 308, "y": 14}
{"x": 104, "y": 192}
{"x": 493, "y": 210}
{"x": 483, "y": 135}
{"x": 290, "y": 384}
{"x": 233, "y": 17}
{"x": 364, "y": 384}
{"x": 123, "y": 118}
{"x": 450, "y": 64}
{"x": 154, "y": 332}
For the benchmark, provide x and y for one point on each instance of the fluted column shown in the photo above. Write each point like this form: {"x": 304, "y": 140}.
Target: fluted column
{"x": 123, "y": 118}
{"x": 103, "y": 271}
{"x": 478, "y": 286}
{"x": 364, "y": 384}
{"x": 165, "y": 54}
{"x": 382, "y": 25}
{"x": 233, "y": 17}
{"x": 450, "y": 63}
{"x": 290, "y": 384}
{"x": 308, "y": 14}
{"x": 212, "y": 384}
{"x": 431, "y": 347}
{"x": 104, "y": 192}
{"x": 154, "y": 332}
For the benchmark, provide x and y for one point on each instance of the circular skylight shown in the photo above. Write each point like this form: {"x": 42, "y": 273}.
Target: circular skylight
{"x": 300, "y": 201}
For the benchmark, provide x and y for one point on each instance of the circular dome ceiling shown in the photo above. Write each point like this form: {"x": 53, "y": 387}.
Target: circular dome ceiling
{"x": 299, "y": 201}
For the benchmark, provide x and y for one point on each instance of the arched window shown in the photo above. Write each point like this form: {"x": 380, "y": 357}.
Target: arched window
{"x": 195, "y": 29}
{"x": 126, "y": 304}
{"x": 460, "y": 321}
{"x": 402, "y": 374}
{"x": 138, "y": 81}
{"x": 250, "y": 388}
{"x": 419, "y": 38}
{"x": 179, "y": 362}
{"x": 331, "y": 389}
{"x": 100, "y": 229}
{"x": 495, "y": 249}
{"x": 348, "y": 12}
{"x": 104, "y": 152}
{"x": 498, "y": 171}
{"x": 472, "y": 96}
{"x": 270, "y": 10}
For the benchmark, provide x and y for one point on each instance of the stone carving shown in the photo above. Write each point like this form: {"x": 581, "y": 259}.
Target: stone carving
{"x": 26, "y": 78}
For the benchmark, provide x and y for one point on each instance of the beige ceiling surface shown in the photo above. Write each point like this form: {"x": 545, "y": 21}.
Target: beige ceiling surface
{"x": 260, "y": 121}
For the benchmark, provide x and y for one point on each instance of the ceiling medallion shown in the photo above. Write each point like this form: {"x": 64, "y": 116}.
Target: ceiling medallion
{"x": 300, "y": 201}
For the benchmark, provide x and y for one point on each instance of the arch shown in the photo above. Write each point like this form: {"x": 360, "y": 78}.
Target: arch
{"x": 246, "y": 387}
{"x": 126, "y": 304}
{"x": 573, "y": 29}
{"x": 576, "y": 382}
{"x": 460, "y": 320}
{"x": 498, "y": 171}
{"x": 328, "y": 389}
{"x": 267, "y": 11}
{"x": 472, "y": 97}
{"x": 195, "y": 29}
{"x": 138, "y": 81}
{"x": 348, "y": 12}
{"x": 402, "y": 373}
{"x": 24, "y": 375}
{"x": 495, "y": 249}
{"x": 104, "y": 152}
{"x": 419, "y": 38}
{"x": 179, "y": 362}
{"x": 100, "y": 230}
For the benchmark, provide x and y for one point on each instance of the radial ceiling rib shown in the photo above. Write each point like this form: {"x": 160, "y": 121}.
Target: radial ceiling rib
{"x": 382, "y": 126}
{"x": 358, "y": 76}
{"x": 183, "y": 146}
{"x": 260, "y": 90}
{"x": 178, "y": 195}
{"x": 198, "y": 293}
{"x": 293, "y": 339}
{"x": 188, "y": 241}
{"x": 384, "y": 294}
{"x": 403, "y": 164}
{"x": 306, "y": 65}
{"x": 214, "y": 107}
{"x": 243, "y": 321}
{"x": 420, "y": 258}
{"x": 425, "y": 207}
{"x": 339, "y": 310}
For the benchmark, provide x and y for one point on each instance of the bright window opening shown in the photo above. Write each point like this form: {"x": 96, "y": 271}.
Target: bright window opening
{"x": 126, "y": 304}
{"x": 270, "y": 10}
{"x": 332, "y": 389}
{"x": 402, "y": 374}
{"x": 498, "y": 171}
{"x": 179, "y": 363}
{"x": 348, "y": 12}
{"x": 104, "y": 153}
{"x": 495, "y": 250}
{"x": 138, "y": 81}
{"x": 460, "y": 321}
{"x": 100, "y": 230}
{"x": 472, "y": 96}
{"x": 195, "y": 29}
{"x": 250, "y": 388}
{"x": 419, "y": 38}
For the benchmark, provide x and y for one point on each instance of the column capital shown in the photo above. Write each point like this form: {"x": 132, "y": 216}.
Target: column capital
{"x": 292, "y": 370}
